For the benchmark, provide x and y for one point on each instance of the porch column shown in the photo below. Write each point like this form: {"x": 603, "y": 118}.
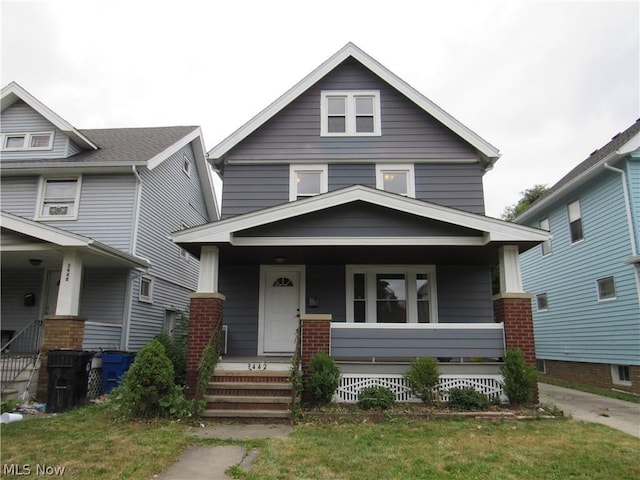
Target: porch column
{"x": 512, "y": 307}
{"x": 70, "y": 284}
{"x": 315, "y": 337}
{"x": 205, "y": 315}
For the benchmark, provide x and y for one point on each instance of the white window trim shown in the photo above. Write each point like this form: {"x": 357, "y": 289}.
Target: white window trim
{"x": 146, "y": 298}
{"x": 350, "y": 113}
{"x": 410, "y": 272}
{"x": 603, "y": 300}
{"x": 538, "y": 309}
{"x": 615, "y": 376}
{"x": 571, "y": 240}
{"x": 315, "y": 167}
{"x": 186, "y": 165}
{"x": 40, "y": 199}
{"x": 27, "y": 141}
{"x": 381, "y": 168}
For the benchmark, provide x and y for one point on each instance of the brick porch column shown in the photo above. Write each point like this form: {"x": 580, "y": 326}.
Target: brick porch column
{"x": 205, "y": 318}
{"x": 316, "y": 337}
{"x": 514, "y": 311}
{"x": 60, "y": 331}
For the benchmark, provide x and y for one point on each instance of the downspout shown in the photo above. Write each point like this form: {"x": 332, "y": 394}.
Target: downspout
{"x": 124, "y": 342}
{"x": 632, "y": 233}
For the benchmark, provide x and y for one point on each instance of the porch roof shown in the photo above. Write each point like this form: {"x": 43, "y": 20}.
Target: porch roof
{"x": 23, "y": 238}
{"x": 458, "y": 228}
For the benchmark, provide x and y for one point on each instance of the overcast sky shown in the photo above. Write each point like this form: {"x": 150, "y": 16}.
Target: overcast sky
{"x": 546, "y": 82}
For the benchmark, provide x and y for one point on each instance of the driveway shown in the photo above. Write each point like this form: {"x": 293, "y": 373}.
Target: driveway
{"x": 624, "y": 416}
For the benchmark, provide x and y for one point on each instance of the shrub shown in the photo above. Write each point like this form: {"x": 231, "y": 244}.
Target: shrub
{"x": 519, "y": 378}
{"x": 422, "y": 377}
{"x": 175, "y": 347}
{"x": 376, "y": 397}
{"x": 324, "y": 379}
{"x": 146, "y": 383}
{"x": 467, "y": 398}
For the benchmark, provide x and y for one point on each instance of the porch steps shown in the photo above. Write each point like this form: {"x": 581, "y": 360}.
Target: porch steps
{"x": 235, "y": 391}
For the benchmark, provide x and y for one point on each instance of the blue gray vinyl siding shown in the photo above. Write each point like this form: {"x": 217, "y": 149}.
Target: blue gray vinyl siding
{"x": 408, "y": 343}
{"x": 452, "y": 185}
{"x": 633, "y": 179}
{"x": 170, "y": 198}
{"x": 99, "y": 284}
{"x": 15, "y": 284}
{"x": 240, "y": 285}
{"x": 464, "y": 294}
{"x": 342, "y": 175}
{"x": 147, "y": 319}
{"x": 101, "y": 336}
{"x": 105, "y": 211}
{"x": 357, "y": 219}
{"x": 577, "y": 327}
{"x": 21, "y": 118}
{"x": 408, "y": 133}
{"x": 253, "y": 187}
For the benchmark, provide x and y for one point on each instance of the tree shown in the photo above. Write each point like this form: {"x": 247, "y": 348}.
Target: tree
{"x": 528, "y": 197}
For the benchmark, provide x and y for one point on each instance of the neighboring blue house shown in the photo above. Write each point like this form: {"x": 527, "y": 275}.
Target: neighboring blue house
{"x": 85, "y": 221}
{"x": 354, "y": 199}
{"x": 587, "y": 278}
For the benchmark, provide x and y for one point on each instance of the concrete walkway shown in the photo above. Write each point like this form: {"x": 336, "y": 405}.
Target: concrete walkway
{"x": 210, "y": 462}
{"x": 587, "y": 407}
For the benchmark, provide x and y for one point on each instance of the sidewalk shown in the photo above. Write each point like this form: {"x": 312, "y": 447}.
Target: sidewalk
{"x": 210, "y": 462}
{"x": 587, "y": 407}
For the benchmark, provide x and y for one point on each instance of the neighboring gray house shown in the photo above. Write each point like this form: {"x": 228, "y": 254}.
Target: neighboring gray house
{"x": 85, "y": 221}
{"x": 587, "y": 279}
{"x": 354, "y": 198}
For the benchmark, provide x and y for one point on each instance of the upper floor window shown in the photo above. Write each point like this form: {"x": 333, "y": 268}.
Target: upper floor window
{"x": 27, "y": 141}
{"x": 186, "y": 165}
{"x": 575, "y": 221}
{"x": 546, "y": 245}
{"x": 145, "y": 293}
{"x": 396, "y": 178}
{"x": 58, "y": 198}
{"x": 350, "y": 113}
{"x": 307, "y": 181}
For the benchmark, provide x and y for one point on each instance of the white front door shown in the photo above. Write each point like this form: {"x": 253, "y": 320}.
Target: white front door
{"x": 282, "y": 292}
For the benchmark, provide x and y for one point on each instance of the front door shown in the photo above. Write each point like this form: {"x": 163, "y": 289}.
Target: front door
{"x": 282, "y": 293}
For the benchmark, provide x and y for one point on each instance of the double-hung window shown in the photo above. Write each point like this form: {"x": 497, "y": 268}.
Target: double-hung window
{"x": 396, "y": 178}
{"x": 391, "y": 294}
{"x": 307, "y": 181}
{"x": 27, "y": 141}
{"x": 575, "y": 221}
{"x": 58, "y": 198}
{"x": 350, "y": 113}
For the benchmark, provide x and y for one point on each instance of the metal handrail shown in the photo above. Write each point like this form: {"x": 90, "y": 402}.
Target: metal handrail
{"x": 20, "y": 353}
{"x": 27, "y": 340}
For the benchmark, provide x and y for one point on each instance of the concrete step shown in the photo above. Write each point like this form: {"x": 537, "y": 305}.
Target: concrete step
{"x": 246, "y": 414}
{"x": 260, "y": 389}
{"x": 244, "y": 399}
{"x": 232, "y": 376}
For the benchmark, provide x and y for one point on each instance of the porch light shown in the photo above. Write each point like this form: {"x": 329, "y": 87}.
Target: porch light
{"x": 35, "y": 261}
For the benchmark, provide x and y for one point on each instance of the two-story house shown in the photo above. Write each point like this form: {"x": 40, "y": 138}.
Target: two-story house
{"x": 85, "y": 221}
{"x": 586, "y": 280}
{"x": 355, "y": 204}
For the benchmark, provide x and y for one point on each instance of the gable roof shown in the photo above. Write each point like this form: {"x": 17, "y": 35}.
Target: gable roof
{"x": 492, "y": 230}
{"x": 14, "y": 92}
{"x": 65, "y": 239}
{"x": 488, "y": 152}
{"x": 620, "y": 145}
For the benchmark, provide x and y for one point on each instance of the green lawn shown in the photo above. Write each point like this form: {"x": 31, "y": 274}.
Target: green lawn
{"x": 89, "y": 444}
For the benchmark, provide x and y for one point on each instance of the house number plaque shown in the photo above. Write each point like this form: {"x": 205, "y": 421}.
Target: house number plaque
{"x": 257, "y": 366}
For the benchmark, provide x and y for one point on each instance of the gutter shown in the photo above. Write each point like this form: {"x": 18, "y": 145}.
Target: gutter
{"x": 627, "y": 204}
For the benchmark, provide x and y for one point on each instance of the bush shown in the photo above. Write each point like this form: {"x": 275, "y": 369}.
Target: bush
{"x": 422, "y": 377}
{"x": 175, "y": 347}
{"x": 376, "y": 397}
{"x": 519, "y": 378}
{"x": 324, "y": 379}
{"x": 467, "y": 398}
{"x": 148, "y": 388}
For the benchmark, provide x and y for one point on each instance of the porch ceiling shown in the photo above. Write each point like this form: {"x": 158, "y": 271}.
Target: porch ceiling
{"x": 341, "y": 255}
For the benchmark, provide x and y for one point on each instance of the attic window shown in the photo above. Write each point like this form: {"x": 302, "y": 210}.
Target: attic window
{"x": 350, "y": 113}
{"x": 27, "y": 141}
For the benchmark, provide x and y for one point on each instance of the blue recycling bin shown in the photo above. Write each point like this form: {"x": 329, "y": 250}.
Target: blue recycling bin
{"x": 114, "y": 365}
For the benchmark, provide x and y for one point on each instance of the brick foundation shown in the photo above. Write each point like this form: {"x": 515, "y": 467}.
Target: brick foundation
{"x": 60, "y": 331}
{"x": 205, "y": 318}
{"x": 316, "y": 337}
{"x": 591, "y": 374}
{"x": 514, "y": 311}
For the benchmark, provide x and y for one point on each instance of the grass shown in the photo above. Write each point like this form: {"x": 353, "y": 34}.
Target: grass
{"x": 89, "y": 444}
{"x": 629, "y": 397}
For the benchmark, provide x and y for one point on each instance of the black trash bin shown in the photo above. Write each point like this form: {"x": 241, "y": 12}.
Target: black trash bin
{"x": 68, "y": 372}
